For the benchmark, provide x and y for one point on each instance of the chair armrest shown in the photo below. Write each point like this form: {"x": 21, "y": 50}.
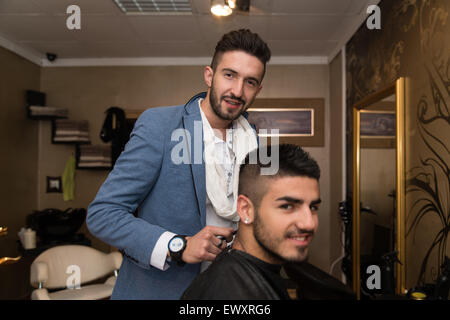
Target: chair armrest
{"x": 38, "y": 273}
{"x": 40, "y": 294}
{"x": 115, "y": 259}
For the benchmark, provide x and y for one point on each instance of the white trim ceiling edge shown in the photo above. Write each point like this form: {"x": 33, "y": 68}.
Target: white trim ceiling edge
{"x": 171, "y": 61}
{"x": 39, "y": 59}
{"x": 28, "y": 54}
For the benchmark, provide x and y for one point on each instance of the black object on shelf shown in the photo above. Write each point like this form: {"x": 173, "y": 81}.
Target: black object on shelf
{"x": 35, "y": 98}
{"x": 56, "y": 225}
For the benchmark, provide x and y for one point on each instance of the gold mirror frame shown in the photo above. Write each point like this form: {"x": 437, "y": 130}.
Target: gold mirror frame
{"x": 397, "y": 88}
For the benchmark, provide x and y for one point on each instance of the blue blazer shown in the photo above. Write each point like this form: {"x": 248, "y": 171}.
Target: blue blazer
{"x": 169, "y": 196}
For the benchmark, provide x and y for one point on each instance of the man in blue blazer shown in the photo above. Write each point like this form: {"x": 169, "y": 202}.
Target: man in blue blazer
{"x": 179, "y": 171}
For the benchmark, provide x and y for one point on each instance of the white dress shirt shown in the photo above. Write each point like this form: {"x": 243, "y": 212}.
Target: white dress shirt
{"x": 224, "y": 151}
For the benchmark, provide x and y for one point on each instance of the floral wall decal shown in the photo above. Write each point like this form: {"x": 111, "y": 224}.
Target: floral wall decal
{"x": 413, "y": 42}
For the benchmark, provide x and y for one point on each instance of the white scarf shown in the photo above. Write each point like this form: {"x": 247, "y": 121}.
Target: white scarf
{"x": 244, "y": 141}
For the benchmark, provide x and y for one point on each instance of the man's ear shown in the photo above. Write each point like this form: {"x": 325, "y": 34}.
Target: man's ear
{"x": 259, "y": 89}
{"x": 208, "y": 74}
{"x": 245, "y": 209}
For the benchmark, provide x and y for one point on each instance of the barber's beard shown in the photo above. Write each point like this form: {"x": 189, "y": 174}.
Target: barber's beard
{"x": 270, "y": 244}
{"x": 214, "y": 101}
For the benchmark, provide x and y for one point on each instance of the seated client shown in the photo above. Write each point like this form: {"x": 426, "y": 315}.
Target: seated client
{"x": 279, "y": 217}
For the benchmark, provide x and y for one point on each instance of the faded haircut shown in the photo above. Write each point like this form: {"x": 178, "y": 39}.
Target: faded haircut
{"x": 293, "y": 162}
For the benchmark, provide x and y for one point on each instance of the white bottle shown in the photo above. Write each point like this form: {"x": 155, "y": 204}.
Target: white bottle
{"x": 29, "y": 237}
{"x": 20, "y": 234}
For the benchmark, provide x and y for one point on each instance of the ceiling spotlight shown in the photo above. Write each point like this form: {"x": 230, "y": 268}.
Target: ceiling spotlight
{"x": 220, "y": 8}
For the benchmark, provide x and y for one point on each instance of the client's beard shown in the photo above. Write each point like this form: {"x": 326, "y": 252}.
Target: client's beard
{"x": 268, "y": 243}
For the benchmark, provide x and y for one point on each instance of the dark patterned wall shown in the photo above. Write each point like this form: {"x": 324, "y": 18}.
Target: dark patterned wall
{"x": 414, "y": 41}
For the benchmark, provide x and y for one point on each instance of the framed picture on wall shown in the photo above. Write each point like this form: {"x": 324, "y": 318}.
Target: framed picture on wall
{"x": 377, "y": 129}
{"x": 54, "y": 184}
{"x": 298, "y": 120}
{"x": 290, "y": 122}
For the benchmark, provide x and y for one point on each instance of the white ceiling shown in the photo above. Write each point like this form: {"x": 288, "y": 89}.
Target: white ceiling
{"x": 294, "y": 29}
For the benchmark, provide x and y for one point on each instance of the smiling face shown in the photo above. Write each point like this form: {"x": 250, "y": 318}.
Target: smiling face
{"x": 234, "y": 84}
{"x": 286, "y": 219}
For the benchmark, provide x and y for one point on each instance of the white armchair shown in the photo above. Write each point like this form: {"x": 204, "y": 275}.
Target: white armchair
{"x": 68, "y": 268}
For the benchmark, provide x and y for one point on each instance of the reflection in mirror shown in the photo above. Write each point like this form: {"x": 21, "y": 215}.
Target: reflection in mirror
{"x": 378, "y": 193}
{"x": 377, "y": 189}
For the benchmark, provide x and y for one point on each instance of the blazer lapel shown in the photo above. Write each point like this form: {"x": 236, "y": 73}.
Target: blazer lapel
{"x": 192, "y": 122}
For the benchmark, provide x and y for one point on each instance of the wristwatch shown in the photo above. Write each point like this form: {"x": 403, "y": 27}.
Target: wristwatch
{"x": 176, "y": 248}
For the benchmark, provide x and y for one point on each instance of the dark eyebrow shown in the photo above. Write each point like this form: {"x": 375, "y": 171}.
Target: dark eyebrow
{"x": 294, "y": 200}
{"x": 229, "y": 70}
{"x": 290, "y": 199}
{"x": 235, "y": 72}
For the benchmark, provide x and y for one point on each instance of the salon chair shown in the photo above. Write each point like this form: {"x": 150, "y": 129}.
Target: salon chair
{"x": 72, "y": 272}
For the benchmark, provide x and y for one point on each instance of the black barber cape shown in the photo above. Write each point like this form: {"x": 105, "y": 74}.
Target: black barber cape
{"x": 314, "y": 284}
{"x": 236, "y": 275}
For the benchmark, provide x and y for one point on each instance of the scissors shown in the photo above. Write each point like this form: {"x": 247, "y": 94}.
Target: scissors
{"x": 221, "y": 238}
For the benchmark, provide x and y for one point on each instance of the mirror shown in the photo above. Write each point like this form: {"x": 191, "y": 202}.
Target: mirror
{"x": 378, "y": 252}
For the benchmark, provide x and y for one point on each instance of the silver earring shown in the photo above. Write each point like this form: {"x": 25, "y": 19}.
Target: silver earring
{"x": 246, "y": 220}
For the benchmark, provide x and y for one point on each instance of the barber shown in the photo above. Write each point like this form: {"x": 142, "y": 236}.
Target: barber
{"x": 186, "y": 203}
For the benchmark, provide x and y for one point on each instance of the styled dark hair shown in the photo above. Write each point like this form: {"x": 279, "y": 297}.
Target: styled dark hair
{"x": 243, "y": 40}
{"x": 292, "y": 161}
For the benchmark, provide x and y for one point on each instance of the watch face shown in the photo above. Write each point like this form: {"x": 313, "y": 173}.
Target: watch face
{"x": 176, "y": 244}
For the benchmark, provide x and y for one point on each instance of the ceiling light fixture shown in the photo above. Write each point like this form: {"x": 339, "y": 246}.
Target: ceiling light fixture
{"x": 220, "y": 8}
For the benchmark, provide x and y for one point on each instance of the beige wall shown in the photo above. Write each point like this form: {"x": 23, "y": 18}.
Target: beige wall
{"x": 336, "y": 161}
{"x": 88, "y": 91}
{"x": 18, "y": 162}
{"x": 310, "y": 81}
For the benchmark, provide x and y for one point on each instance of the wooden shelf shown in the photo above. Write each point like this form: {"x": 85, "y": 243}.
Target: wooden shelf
{"x": 49, "y": 116}
{"x": 78, "y": 137}
{"x": 38, "y": 110}
{"x": 104, "y": 151}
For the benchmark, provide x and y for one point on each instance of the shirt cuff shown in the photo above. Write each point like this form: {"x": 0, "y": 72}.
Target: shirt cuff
{"x": 159, "y": 253}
